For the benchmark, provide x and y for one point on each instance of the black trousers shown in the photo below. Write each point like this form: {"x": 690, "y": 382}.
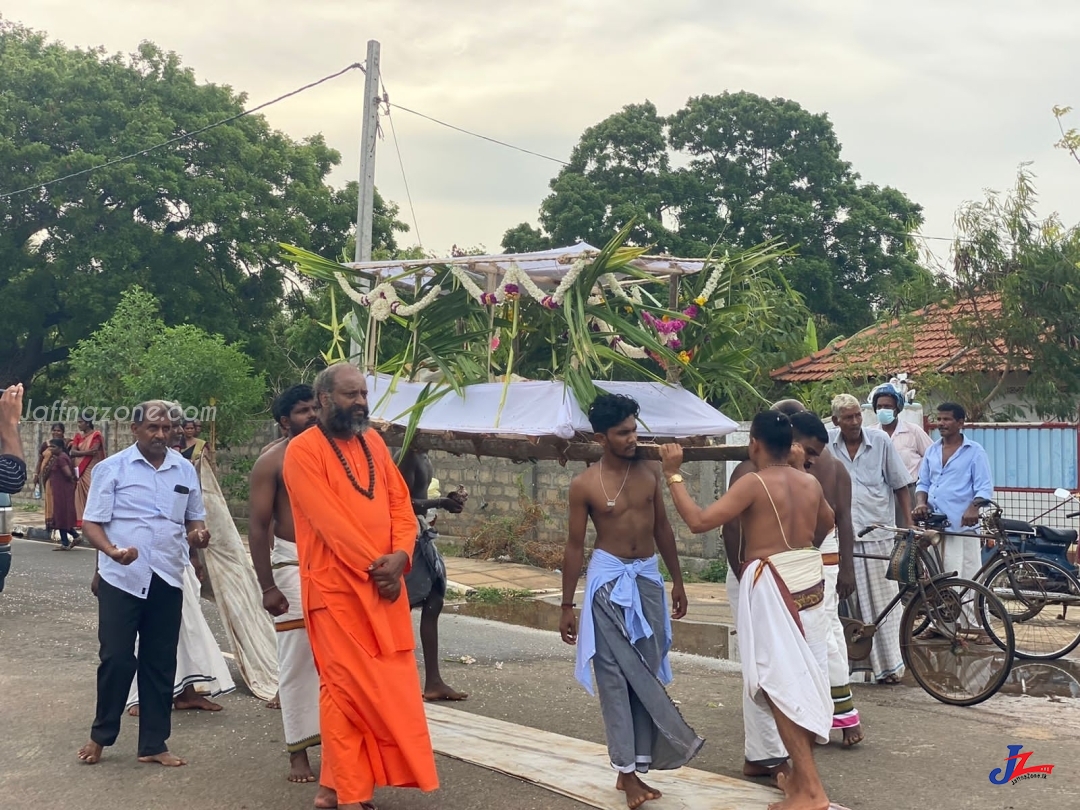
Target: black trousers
{"x": 156, "y": 622}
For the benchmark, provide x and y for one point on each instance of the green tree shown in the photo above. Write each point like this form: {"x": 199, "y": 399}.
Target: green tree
{"x": 1033, "y": 266}
{"x": 754, "y": 170}
{"x": 134, "y": 356}
{"x": 196, "y": 223}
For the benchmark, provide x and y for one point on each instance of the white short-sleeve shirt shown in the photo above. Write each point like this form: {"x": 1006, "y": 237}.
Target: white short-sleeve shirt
{"x": 144, "y": 508}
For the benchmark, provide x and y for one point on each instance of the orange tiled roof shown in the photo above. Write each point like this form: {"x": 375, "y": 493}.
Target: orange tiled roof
{"x": 921, "y": 341}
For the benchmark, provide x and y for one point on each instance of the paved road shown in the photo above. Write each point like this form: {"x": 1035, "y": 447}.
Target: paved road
{"x": 920, "y": 754}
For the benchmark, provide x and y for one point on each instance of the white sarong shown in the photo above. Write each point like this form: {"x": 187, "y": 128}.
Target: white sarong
{"x": 762, "y": 744}
{"x": 198, "y": 657}
{"x": 236, "y": 592}
{"x": 298, "y": 680}
{"x": 874, "y": 591}
{"x": 777, "y": 660}
{"x": 845, "y": 715}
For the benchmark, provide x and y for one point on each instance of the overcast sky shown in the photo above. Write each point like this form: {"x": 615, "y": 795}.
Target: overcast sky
{"x": 940, "y": 99}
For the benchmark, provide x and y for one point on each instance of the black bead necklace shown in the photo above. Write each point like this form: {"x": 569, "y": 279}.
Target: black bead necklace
{"x": 368, "y": 493}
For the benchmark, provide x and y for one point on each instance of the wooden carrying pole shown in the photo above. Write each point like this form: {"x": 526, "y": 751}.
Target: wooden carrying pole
{"x": 544, "y": 448}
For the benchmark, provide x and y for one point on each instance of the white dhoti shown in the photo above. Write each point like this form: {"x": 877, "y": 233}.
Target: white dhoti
{"x": 198, "y": 657}
{"x": 780, "y": 661}
{"x": 845, "y": 715}
{"x": 777, "y": 659}
{"x": 874, "y": 591}
{"x": 298, "y": 681}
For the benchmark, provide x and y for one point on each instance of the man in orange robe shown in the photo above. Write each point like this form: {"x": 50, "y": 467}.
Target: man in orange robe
{"x": 355, "y": 531}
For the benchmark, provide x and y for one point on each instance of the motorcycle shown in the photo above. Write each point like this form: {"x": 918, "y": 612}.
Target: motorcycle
{"x": 1046, "y": 542}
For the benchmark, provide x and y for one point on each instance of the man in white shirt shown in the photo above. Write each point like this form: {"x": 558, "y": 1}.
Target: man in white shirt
{"x": 910, "y": 440}
{"x": 878, "y": 480}
{"x": 143, "y": 514}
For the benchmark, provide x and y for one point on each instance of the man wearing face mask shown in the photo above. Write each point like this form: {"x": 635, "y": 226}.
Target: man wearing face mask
{"x": 910, "y": 440}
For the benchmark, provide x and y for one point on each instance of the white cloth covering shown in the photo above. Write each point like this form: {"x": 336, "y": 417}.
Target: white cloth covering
{"x": 776, "y": 659}
{"x": 298, "y": 680}
{"x": 198, "y": 658}
{"x": 839, "y": 667}
{"x": 237, "y": 593}
{"x": 543, "y": 408}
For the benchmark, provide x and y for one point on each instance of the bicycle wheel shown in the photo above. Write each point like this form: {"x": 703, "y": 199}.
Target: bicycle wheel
{"x": 951, "y": 660}
{"x": 1038, "y": 594}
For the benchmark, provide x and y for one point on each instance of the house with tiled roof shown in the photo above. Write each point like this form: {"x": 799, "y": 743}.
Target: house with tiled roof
{"x": 936, "y": 342}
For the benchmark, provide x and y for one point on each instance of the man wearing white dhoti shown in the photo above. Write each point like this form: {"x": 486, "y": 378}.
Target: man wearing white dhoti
{"x": 781, "y": 625}
{"x": 270, "y": 516}
{"x": 765, "y": 754}
{"x": 879, "y": 494}
{"x": 201, "y": 670}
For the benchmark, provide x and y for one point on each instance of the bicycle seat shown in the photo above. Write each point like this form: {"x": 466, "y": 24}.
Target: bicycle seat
{"x": 1059, "y": 537}
{"x": 1017, "y": 526}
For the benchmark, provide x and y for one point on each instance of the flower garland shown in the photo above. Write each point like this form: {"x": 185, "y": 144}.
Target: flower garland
{"x": 383, "y": 300}
{"x": 514, "y": 281}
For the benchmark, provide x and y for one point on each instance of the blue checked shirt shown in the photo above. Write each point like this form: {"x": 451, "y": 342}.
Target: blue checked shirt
{"x": 139, "y": 507}
{"x": 951, "y": 489}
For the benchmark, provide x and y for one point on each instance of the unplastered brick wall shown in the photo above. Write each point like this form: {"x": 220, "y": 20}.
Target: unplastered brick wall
{"x": 496, "y": 488}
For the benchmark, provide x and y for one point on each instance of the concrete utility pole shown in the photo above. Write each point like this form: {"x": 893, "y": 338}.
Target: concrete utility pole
{"x": 365, "y": 208}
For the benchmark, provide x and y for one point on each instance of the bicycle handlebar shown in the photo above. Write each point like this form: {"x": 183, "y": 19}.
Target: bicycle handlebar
{"x": 1073, "y": 514}
{"x": 867, "y": 530}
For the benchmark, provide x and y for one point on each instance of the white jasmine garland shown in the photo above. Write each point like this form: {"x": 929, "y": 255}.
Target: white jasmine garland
{"x": 612, "y": 283}
{"x": 383, "y": 300}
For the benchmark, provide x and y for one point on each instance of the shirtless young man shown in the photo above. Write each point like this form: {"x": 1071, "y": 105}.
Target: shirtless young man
{"x": 273, "y": 554}
{"x": 784, "y": 516}
{"x": 426, "y": 580}
{"x": 624, "y": 498}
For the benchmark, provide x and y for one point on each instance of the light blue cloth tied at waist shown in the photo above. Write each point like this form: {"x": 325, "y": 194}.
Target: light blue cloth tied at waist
{"x": 603, "y": 568}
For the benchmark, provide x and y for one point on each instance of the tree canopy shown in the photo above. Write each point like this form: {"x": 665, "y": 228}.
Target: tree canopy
{"x": 134, "y": 357}
{"x": 196, "y": 223}
{"x": 742, "y": 169}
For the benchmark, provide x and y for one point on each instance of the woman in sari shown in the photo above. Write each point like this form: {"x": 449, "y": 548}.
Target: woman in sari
{"x": 87, "y": 449}
{"x": 191, "y": 446}
{"x": 58, "y": 477}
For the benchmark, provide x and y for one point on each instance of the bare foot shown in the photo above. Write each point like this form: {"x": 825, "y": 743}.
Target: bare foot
{"x": 637, "y": 792}
{"x": 134, "y": 710}
{"x": 889, "y": 680}
{"x": 796, "y": 797}
{"x": 440, "y": 691}
{"x": 757, "y": 771}
{"x": 165, "y": 758}
{"x": 274, "y": 702}
{"x": 90, "y": 753}
{"x": 300, "y": 768}
{"x": 195, "y": 703}
{"x": 326, "y": 799}
{"x": 853, "y": 736}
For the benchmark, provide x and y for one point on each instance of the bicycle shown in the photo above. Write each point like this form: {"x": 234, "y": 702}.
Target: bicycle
{"x": 943, "y": 657}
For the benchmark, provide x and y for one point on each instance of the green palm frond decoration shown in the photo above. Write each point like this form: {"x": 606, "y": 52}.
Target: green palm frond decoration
{"x": 594, "y": 333}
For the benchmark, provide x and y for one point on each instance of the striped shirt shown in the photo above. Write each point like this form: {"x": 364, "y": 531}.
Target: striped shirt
{"x": 12, "y": 474}
{"x": 142, "y": 507}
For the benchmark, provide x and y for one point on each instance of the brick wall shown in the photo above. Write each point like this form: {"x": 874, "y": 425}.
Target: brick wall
{"x": 495, "y": 485}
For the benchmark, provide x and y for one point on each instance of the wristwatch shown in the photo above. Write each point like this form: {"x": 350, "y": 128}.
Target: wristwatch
{"x": 675, "y": 479}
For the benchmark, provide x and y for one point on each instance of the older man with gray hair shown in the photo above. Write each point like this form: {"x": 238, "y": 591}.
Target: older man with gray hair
{"x": 879, "y": 494}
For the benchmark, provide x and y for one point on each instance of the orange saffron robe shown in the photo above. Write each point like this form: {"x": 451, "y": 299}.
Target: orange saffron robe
{"x": 374, "y": 730}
